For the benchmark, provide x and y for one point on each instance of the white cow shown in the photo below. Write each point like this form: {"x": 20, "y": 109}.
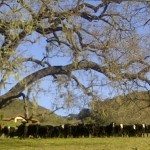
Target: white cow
{"x": 19, "y": 118}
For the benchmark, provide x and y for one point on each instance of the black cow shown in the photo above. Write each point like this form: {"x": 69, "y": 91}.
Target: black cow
{"x": 118, "y": 130}
{"x": 147, "y": 130}
{"x": 8, "y": 131}
{"x": 5, "y": 131}
{"x": 50, "y": 129}
{"x": 73, "y": 131}
{"x": 56, "y": 131}
{"x": 22, "y": 130}
{"x": 33, "y": 130}
{"x": 97, "y": 130}
{"x": 82, "y": 130}
{"x": 140, "y": 130}
{"x": 42, "y": 131}
{"x": 12, "y": 132}
{"x": 67, "y": 130}
{"x": 102, "y": 132}
{"x": 110, "y": 129}
{"x": 129, "y": 130}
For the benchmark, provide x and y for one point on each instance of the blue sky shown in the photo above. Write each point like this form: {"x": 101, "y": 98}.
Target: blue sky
{"x": 46, "y": 100}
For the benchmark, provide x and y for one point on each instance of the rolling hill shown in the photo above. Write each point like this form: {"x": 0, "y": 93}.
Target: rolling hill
{"x": 128, "y": 109}
{"x": 42, "y": 114}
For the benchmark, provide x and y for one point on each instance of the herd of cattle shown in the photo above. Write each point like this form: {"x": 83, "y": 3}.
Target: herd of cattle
{"x": 75, "y": 131}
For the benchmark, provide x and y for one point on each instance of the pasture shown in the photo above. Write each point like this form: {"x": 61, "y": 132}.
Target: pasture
{"x": 116, "y": 143}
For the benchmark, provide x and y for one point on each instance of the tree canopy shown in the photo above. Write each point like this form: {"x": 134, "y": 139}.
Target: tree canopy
{"x": 105, "y": 41}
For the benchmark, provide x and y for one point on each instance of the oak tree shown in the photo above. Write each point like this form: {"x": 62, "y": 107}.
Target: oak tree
{"x": 106, "y": 43}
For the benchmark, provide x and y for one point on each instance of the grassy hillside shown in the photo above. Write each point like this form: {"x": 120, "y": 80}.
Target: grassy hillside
{"x": 128, "y": 109}
{"x": 42, "y": 114}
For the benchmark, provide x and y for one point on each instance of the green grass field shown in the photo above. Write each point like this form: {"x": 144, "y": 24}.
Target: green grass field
{"x": 76, "y": 144}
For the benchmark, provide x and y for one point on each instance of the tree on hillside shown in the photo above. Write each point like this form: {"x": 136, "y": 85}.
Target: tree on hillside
{"x": 84, "y": 113}
{"x": 102, "y": 42}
